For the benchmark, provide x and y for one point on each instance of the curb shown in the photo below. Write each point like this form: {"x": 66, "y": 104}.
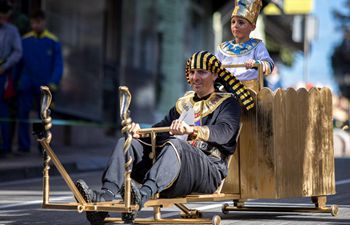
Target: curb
{"x": 32, "y": 172}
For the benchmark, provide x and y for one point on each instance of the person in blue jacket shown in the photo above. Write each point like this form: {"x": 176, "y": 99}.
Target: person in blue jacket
{"x": 41, "y": 64}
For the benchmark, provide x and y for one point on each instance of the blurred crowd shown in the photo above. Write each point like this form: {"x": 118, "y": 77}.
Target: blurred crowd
{"x": 30, "y": 56}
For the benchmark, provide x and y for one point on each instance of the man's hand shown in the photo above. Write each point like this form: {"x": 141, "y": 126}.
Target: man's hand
{"x": 179, "y": 127}
{"x": 135, "y": 127}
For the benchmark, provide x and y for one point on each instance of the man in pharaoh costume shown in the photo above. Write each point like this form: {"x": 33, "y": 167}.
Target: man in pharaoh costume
{"x": 192, "y": 157}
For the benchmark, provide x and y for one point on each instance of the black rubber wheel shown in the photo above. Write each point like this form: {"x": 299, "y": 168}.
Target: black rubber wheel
{"x": 128, "y": 217}
{"x": 223, "y": 208}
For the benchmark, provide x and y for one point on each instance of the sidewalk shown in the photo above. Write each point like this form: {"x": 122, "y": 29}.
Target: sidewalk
{"x": 74, "y": 159}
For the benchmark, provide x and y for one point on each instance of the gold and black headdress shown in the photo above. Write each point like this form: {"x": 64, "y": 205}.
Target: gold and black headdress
{"x": 207, "y": 61}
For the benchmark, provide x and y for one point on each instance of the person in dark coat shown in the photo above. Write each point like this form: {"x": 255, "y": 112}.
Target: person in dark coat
{"x": 192, "y": 157}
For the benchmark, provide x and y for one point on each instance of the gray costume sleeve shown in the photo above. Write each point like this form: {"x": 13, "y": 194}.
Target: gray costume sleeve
{"x": 16, "y": 50}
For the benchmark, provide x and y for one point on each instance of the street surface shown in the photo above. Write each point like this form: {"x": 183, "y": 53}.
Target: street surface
{"x": 20, "y": 203}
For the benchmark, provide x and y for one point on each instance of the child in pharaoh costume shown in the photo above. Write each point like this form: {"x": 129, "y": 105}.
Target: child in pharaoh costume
{"x": 243, "y": 48}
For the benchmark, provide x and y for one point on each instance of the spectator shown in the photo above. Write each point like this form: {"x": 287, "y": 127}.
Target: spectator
{"x": 41, "y": 64}
{"x": 10, "y": 53}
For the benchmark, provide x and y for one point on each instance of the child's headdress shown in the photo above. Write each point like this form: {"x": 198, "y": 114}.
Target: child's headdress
{"x": 207, "y": 61}
{"x": 248, "y": 9}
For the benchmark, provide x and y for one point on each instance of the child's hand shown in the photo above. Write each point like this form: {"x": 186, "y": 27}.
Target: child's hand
{"x": 249, "y": 63}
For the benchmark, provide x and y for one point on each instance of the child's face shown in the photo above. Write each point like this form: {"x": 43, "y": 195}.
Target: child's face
{"x": 241, "y": 28}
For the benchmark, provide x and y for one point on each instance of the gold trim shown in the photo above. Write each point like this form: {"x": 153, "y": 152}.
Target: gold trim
{"x": 179, "y": 106}
{"x": 204, "y": 107}
{"x": 203, "y": 133}
{"x": 224, "y": 48}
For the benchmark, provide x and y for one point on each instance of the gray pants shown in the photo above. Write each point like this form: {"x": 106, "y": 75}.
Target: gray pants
{"x": 179, "y": 169}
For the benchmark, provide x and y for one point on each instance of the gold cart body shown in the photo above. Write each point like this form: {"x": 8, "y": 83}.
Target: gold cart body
{"x": 286, "y": 146}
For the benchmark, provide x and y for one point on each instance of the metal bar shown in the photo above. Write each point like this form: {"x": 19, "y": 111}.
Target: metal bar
{"x": 125, "y": 100}
{"x": 46, "y": 179}
{"x": 63, "y": 206}
{"x": 154, "y": 130}
{"x": 260, "y": 80}
{"x": 183, "y": 208}
{"x": 211, "y": 197}
{"x": 165, "y": 202}
{"x": 156, "y": 209}
{"x": 127, "y": 187}
{"x": 62, "y": 171}
{"x": 156, "y": 213}
{"x": 233, "y": 65}
{"x": 153, "y": 142}
{"x": 162, "y": 221}
{"x": 91, "y": 207}
{"x": 46, "y": 99}
{"x": 260, "y": 77}
{"x": 279, "y": 209}
{"x": 188, "y": 213}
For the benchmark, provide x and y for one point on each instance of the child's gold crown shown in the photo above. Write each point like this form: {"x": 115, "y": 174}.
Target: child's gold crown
{"x": 248, "y": 9}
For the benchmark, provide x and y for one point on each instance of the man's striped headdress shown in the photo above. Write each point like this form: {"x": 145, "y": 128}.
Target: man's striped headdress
{"x": 207, "y": 61}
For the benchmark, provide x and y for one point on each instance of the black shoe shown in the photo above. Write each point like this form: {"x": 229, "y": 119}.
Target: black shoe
{"x": 89, "y": 195}
{"x": 136, "y": 198}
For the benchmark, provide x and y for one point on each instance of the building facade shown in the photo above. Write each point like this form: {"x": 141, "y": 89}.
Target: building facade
{"x": 140, "y": 44}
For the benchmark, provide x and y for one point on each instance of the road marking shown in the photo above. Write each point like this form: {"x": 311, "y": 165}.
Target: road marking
{"x": 340, "y": 182}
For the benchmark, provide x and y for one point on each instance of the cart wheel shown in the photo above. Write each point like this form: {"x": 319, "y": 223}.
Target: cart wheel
{"x": 192, "y": 215}
{"x": 238, "y": 203}
{"x": 216, "y": 220}
{"x": 223, "y": 208}
{"x": 128, "y": 217}
{"x": 198, "y": 214}
{"x": 335, "y": 210}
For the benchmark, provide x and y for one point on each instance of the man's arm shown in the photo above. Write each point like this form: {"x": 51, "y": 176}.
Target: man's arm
{"x": 226, "y": 125}
{"x": 16, "y": 52}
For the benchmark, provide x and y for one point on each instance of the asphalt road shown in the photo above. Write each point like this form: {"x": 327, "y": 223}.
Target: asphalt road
{"x": 20, "y": 203}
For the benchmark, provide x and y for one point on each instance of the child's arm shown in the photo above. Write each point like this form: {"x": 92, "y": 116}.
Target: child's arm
{"x": 262, "y": 56}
